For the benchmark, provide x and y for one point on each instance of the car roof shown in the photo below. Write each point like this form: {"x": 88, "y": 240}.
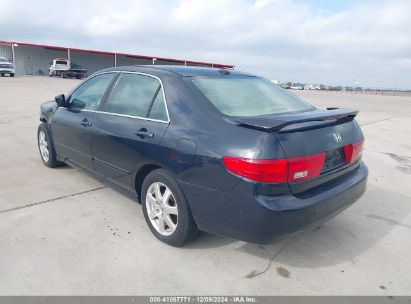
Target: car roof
{"x": 185, "y": 71}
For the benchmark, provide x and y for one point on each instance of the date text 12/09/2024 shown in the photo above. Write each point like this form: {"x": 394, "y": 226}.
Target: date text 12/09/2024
{"x": 203, "y": 299}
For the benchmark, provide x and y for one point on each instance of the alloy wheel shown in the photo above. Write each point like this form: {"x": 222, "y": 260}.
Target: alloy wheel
{"x": 43, "y": 145}
{"x": 162, "y": 208}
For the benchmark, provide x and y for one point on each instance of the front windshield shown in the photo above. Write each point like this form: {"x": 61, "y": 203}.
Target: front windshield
{"x": 248, "y": 96}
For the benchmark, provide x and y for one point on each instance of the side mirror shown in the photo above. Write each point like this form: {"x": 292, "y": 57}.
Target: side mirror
{"x": 60, "y": 100}
{"x": 77, "y": 104}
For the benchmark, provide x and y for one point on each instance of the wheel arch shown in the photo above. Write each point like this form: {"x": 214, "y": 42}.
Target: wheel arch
{"x": 47, "y": 111}
{"x": 141, "y": 174}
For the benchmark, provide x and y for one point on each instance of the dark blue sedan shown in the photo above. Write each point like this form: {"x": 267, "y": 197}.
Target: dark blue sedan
{"x": 206, "y": 149}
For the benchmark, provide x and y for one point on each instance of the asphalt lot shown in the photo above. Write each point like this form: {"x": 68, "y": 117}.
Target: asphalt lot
{"x": 63, "y": 233}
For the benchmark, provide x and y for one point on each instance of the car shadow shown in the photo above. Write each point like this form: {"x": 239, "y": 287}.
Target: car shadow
{"x": 64, "y": 167}
{"x": 206, "y": 240}
{"x": 343, "y": 238}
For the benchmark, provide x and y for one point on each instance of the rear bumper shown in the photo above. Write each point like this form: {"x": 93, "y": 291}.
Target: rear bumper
{"x": 244, "y": 214}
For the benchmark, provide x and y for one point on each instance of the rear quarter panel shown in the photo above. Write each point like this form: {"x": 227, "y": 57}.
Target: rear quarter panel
{"x": 213, "y": 137}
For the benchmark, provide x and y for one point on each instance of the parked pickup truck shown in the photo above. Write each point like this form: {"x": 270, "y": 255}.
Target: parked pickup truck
{"x": 64, "y": 68}
{"x": 6, "y": 67}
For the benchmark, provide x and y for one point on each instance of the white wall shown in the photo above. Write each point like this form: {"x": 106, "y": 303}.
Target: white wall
{"x": 5, "y": 51}
{"x": 31, "y": 60}
{"x": 34, "y": 60}
{"x": 92, "y": 62}
{"x": 125, "y": 60}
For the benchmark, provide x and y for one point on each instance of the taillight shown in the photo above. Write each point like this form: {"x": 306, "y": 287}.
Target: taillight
{"x": 266, "y": 171}
{"x": 353, "y": 151}
{"x": 301, "y": 168}
{"x": 290, "y": 169}
{"x": 276, "y": 170}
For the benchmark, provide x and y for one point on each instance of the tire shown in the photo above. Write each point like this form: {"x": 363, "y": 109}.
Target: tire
{"x": 185, "y": 229}
{"x": 50, "y": 161}
{"x": 12, "y": 75}
{"x": 2, "y": 74}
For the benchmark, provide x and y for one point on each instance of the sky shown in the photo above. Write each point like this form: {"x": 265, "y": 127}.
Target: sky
{"x": 346, "y": 42}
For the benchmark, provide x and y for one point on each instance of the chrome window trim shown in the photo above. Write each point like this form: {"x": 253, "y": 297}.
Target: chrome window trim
{"x": 124, "y": 115}
{"x": 86, "y": 80}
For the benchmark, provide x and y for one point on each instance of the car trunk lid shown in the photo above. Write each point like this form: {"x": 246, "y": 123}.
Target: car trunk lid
{"x": 325, "y": 139}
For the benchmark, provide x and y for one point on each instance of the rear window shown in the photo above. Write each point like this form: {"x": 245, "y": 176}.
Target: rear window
{"x": 248, "y": 96}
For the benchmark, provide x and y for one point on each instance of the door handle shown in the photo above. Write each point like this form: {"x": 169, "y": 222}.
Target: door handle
{"x": 86, "y": 123}
{"x": 143, "y": 133}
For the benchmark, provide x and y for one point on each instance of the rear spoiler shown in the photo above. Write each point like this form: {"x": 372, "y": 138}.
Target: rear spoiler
{"x": 278, "y": 122}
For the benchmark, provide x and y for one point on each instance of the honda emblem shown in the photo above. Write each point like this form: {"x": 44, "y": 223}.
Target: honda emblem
{"x": 337, "y": 137}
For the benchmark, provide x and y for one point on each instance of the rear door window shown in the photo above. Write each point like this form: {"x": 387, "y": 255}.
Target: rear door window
{"x": 137, "y": 95}
{"x": 158, "y": 110}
